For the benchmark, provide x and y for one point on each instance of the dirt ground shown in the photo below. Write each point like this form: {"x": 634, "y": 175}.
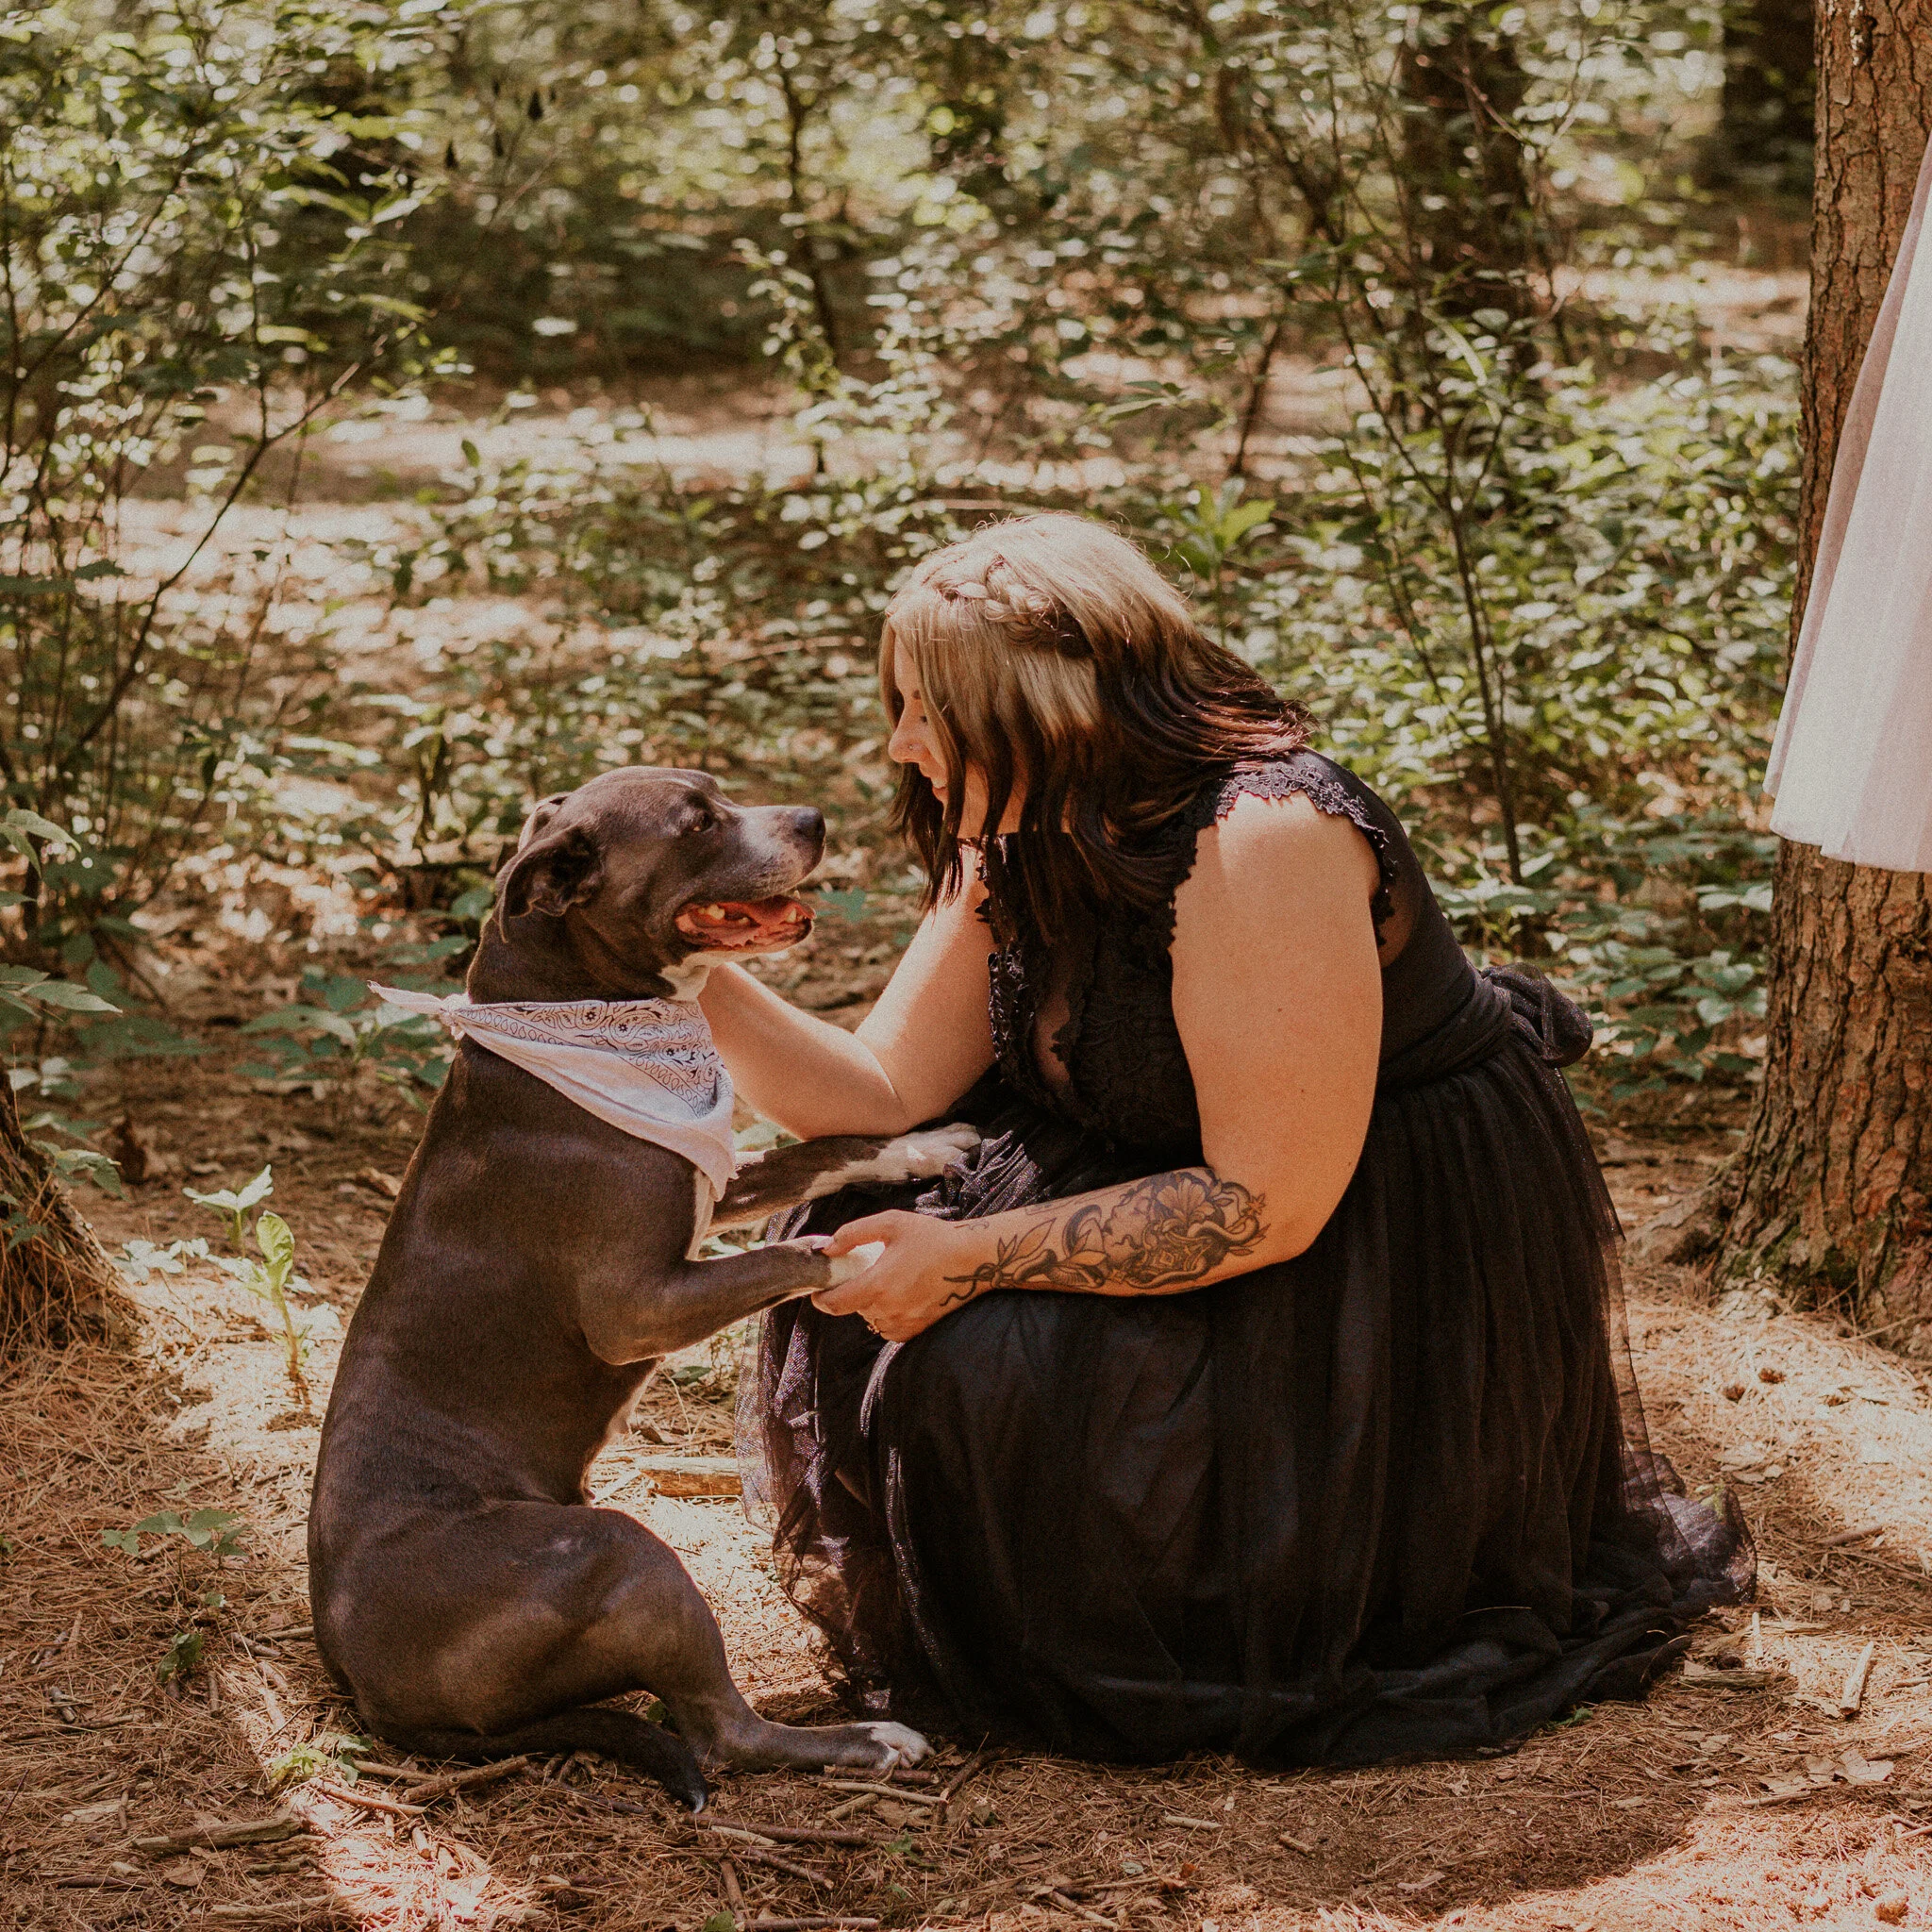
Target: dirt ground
{"x": 1739, "y": 1795}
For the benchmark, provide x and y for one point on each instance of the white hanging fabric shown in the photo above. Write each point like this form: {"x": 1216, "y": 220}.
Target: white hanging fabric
{"x": 647, "y": 1066}
{"x": 1851, "y": 769}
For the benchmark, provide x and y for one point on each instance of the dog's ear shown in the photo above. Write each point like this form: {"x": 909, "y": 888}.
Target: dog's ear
{"x": 550, "y": 875}
{"x": 540, "y": 815}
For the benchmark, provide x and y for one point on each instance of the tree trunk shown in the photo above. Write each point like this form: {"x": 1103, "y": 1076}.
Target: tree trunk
{"x": 56, "y": 1284}
{"x": 1462, "y": 169}
{"x": 1834, "y": 1187}
{"x": 1766, "y": 121}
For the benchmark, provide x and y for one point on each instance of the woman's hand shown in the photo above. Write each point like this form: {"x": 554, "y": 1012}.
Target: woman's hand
{"x": 907, "y": 1289}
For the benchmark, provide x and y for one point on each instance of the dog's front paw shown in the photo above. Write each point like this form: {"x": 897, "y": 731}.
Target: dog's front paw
{"x": 922, "y": 1157}
{"x": 844, "y": 1267}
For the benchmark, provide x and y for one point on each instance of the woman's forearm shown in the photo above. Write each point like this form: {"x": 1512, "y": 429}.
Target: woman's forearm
{"x": 1164, "y": 1235}
{"x": 809, "y": 1076}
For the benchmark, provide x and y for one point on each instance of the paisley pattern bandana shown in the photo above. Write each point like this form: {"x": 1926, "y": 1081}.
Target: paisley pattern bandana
{"x": 647, "y": 1066}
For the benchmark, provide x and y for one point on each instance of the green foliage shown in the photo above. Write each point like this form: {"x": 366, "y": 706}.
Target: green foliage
{"x": 216, "y": 1533}
{"x": 328, "y": 1754}
{"x": 199, "y": 246}
{"x": 341, "y": 1027}
{"x": 269, "y": 1279}
{"x": 182, "y": 1657}
{"x": 232, "y": 1205}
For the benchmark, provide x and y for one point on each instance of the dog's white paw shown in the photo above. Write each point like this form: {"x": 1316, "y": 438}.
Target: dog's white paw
{"x": 844, "y": 1267}
{"x": 924, "y": 1156}
{"x": 901, "y": 1746}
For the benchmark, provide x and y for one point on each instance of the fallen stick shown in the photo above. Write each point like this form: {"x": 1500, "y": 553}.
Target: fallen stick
{"x": 898, "y": 1792}
{"x": 276, "y": 1908}
{"x": 222, "y": 1832}
{"x": 368, "y": 1801}
{"x": 1080, "y": 1911}
{"x": 761, "y": 1924}
{"x": 734, "y": 1892}
{"x": 852, "y": 1806}
{"x": 1192, "y": 1823}
{"x": 751, "y": 1854}
{"x": 432, "y": 1788}
{"x": 786, "y": 1834}
{"x": 1853, "y": 1695}
{"x": 743, "y": 1831}
{"x": 78, "y": 1883}
{"x": 1850, "y": 1536}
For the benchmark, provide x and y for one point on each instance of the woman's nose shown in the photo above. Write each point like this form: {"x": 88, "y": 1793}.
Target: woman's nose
{"x": 903, "y": 745}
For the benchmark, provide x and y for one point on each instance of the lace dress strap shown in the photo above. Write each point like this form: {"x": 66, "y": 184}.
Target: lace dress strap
{"x": 1329, "y": 789}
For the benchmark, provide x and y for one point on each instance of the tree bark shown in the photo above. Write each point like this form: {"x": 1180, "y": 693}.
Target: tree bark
{"x": 1834, "y": 1187}
{"x": 56, "y": 1284}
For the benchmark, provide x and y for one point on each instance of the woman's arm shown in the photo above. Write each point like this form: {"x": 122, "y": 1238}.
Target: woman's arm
{"x": 912, "y": 1056}
{"x": 1277, "y": 996}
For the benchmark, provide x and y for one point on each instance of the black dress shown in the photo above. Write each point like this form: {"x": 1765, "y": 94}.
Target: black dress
{"x": 1391, "y": 1498}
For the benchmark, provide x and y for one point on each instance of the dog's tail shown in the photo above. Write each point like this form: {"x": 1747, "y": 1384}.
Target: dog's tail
{"x": 655, "y": 1750}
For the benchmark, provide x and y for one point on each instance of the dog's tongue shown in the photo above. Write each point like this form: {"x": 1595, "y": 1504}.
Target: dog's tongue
{"x": 743, "y": 918}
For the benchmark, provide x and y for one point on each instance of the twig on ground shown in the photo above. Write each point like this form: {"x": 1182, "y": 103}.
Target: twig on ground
{"x": 852, "y": 1806}
{"x": 1851, "y": 1699}
{"x": 897, "y": 1792}
{"x": 1080, "y": 1911}
{"x": 222, "y": 1832}
{"x": 734, "y": 1892}
{"x": 751, "y": 1854}
{"x": 432, "y": 1788}
{"x": 762, "y": 1923}
{"x": 367, "y": 1800}
{"x": 786, "y": 1834}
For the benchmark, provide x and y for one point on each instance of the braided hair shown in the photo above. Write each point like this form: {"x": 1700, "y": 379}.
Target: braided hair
{"x": 1055, "y": 657}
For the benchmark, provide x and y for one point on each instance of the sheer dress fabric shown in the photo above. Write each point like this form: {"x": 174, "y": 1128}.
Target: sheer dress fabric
{"x": 1851, "y": 767}
{"x": 1391, "y": 1498}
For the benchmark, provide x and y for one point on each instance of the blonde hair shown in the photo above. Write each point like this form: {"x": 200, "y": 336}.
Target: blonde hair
{"x": 1053, "y": 656}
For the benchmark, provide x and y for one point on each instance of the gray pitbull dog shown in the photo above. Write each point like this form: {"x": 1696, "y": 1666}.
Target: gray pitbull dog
{"x": 534, "y": 1270}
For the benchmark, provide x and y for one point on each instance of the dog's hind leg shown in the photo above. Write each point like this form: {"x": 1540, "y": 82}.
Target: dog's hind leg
{"x": 490, "y": 1635}
{"x": 620, "y": 1736}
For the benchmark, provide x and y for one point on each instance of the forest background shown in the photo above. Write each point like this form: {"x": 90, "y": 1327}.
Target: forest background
{"x": 1379, "y": 325}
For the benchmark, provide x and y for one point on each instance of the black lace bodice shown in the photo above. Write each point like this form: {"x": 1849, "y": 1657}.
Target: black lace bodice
{"x": 1085, "y": 1026}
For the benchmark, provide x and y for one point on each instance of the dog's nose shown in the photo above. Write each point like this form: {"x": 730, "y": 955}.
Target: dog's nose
{"x": 809, "y": 824}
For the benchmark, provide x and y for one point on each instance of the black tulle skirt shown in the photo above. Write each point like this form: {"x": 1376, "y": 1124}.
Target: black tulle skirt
{"x": 1391, "y": 1498}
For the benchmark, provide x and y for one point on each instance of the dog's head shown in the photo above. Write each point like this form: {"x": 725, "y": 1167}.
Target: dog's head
{"x": 655, "y": 874}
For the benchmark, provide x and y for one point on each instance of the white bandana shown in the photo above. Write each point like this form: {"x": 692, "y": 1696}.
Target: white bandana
{"x": 647, "y": 1066}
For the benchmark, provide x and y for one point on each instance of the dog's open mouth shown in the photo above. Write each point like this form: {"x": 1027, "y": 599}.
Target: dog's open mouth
{"x": 746, "y": 925}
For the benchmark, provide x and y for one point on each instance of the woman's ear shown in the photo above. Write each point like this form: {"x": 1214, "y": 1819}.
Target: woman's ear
{"x": 549, "y": 875}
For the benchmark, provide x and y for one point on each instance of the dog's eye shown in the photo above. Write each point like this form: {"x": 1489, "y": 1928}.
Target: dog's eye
{"x": 704, "y": 821}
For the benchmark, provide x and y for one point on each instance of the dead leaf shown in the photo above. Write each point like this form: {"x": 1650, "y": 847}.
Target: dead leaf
{"x": 184, "y": 1874}
{"x": 1858, "y": 1769}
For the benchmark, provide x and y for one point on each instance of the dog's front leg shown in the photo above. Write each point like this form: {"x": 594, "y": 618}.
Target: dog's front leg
{"x": 630, "y": 1320}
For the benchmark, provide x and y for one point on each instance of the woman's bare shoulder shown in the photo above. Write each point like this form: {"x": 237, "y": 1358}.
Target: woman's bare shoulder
{"x": 1276, "y": 847}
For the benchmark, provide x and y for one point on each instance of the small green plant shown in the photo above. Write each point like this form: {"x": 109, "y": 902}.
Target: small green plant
{"x": 232, "y": 1205}
{"x": 216, "y": 1533}
{"x": 269, "y": 1278}
{"x": 329, "y": 1753}
{"x": 140, "y": 1259}
{"x": 182, "y": 1657}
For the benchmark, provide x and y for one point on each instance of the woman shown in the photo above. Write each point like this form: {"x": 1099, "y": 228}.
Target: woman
{"x": 1257, "y": 1385}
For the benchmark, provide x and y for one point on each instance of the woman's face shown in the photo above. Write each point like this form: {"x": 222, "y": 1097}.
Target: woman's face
{"x": 914, "y": 743}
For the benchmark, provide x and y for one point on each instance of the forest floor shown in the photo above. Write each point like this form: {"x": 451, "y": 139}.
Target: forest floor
{"x": 1743, "y": 1794}
{"x": 1739, "y": 1795}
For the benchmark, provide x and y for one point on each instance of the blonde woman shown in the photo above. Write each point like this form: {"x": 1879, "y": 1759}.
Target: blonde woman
{"x": 1258, "y": 1386}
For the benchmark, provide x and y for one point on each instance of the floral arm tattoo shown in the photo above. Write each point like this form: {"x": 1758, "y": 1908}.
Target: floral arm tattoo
{"x": 1165, "y": 1232}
